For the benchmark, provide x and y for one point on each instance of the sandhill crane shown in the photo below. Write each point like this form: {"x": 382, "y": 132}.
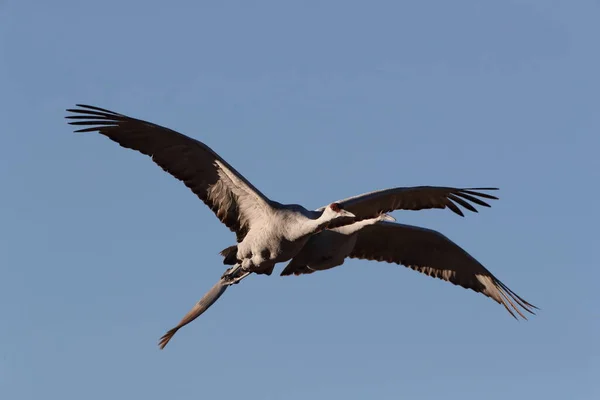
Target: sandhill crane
{"x": 376, "y": 238}
{"x": 423, "y": 250}
{"x": 267, "y": 232}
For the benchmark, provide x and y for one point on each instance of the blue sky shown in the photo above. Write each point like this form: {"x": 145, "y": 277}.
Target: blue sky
{"x": 101, "y": 252}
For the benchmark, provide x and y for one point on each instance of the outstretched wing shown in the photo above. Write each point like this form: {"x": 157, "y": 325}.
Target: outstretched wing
{"x": 370, "y": 204}
{"x": 225, "y": 191}
{"x": 431, "y": 253}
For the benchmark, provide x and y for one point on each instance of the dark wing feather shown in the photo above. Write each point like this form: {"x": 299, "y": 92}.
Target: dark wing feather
{"x": 429, "y": 252}
{"x": 370, "y": 204}
{"x": 225, "y": 191}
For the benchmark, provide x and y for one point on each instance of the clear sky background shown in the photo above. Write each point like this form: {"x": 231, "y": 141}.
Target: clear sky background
{"x": 101, "y": 252}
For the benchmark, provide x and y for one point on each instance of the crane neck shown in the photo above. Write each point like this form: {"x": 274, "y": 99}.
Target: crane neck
{"x": 310, "y": 226}
{"x": 356, "y": 226}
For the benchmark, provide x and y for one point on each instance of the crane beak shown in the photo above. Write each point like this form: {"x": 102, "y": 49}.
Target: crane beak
{"x": 344, "y": 213}
{"x": 388, "y": 218}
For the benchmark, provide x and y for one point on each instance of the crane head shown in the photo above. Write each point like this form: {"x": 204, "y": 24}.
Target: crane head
{"x": 338, "y": 211}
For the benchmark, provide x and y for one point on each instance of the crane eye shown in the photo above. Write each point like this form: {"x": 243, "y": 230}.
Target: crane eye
{"x": 336, "y": 207}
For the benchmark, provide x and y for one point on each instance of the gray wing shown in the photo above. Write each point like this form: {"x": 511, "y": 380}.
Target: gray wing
{"x": 429, "y": 252}
{"x": 370, "y": 204}
{"x": 205, "y": 302}
{"x": 224, "y": 190}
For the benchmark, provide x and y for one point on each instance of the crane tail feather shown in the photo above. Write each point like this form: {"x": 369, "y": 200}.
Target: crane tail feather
{"x": 230, "y": 255}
